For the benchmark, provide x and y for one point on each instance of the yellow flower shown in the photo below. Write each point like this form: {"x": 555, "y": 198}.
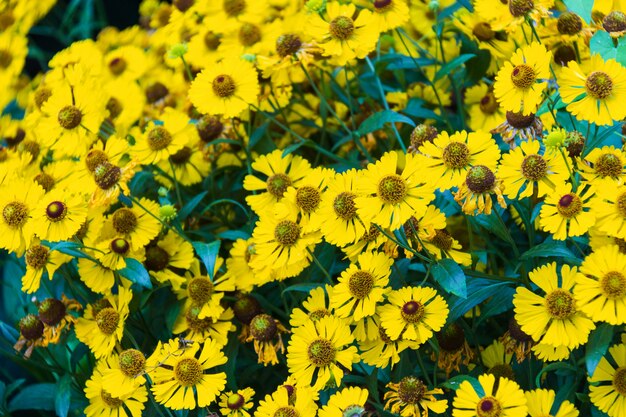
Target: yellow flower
{"x": 313, "y": 308}
{"x": 520, "y": 83}
{"x": 18, "y": 202}
{"x": 162, "y": 141}
{"x": 596, "y": 94}
{"x": 236, "y": 404}
{"x": 126, "y": 63}
{"x": 183, "y": 380}
{"x": 485, "y": 399}
{"x": 349, "y": 401}
{"x": 475, "y": 194}
{"x": 282, "y": 403}
{"x": 541, "y": 403}
{"x": 198, "y": 330}
{"x": 167, "y": 256}
{"x": 411, "y": 398}
{"x": 316, "y": 350}
{"x": 135, "y": 224}
{"x": 59, "y": 215}
{"x": 608, "y": 383}
{"x": 604, "y": 166}
{"x": 13, "y": 51}
{"x": 125, "y": 373}
{"x": 567, "y": 213}
{"x": 484, "y": 111}
{"x": 226, "y": 88}
{"x": 389, "y": 14}
{"x": 380, "y": 351}
{"x": 40, "y": 259}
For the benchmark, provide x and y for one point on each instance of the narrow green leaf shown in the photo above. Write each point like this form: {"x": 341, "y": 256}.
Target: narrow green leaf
{"x": 258, "y": 133}
{"x": 450, "y": 276}
{"x": 34, "y": 397}
{"x": 191, "y": 205}
{"x": 599, "y": 341}
{"x": 136, "y": 272}
{"x": 548, "y": 249}
{"x": 208, "y": 254}
{"x": 304, "y": 287}
{"x": 449, "y": 67}
{"x": 554, "y": 367}
{"x": 62, "y": 396}
{"x": 378, "y": 120}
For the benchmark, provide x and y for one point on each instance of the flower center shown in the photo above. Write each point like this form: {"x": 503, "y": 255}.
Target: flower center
{"x": 564, "y": 54}
{"x": 342, "y": 27}
{"x": 15, "y": 214}
{"x": 560, "y": 304}
{"x": 381, "y": 5}
{"x": 483, "y": 31}
{"x": 234, "y": 8}
{"x": 223, "y": 86}
{"x": 619, "y": 380}
{"x": 200, "y": 289}
{"x": 413, "y": 311}
{"x": 69, "y": 117}
{"x": 182, "y": 156}
{"x": 209, "y": 128}
{"x": 132, "y": 362}
{"x": 456, "y": 155}
{"x": 288, "y": 44}
{"x": 211, "y": 40}
{"x": 361, "y": 284}
{"x": 159, "y": 138}
{"x": 124, "y": 220}
{"x": 489, "y": 104}
{"x": 156, "y": 92}
{"x": 608, "y": 165}
{"x": 318, "y": 314}
{"x": 41, "y": 96}
{"x": 31, "y": 327}
{"x": 94, "y": 158}
{"x": 569, "y": 205}
{"x": 392, "y": 189}
{"x": 520, "y": 121}
{"x": 107, "y": 320}
{"x": 249, "y": 34}
{"x": 613, "y": 285}
{"x": 523, "y": 76}
{"x": 51, "y": 311}
{"x": 263, "y": 327}
{"x": 117, "y": 65}
{"x": 442, "y": 240}
{"x": 157, "y": 258}
{"x": 115, "y": 108}
{"x": 480, "y": 179}
{"x": 277, "y": 184}
{"x": 621, "y": 204}
{"x": 46, "y": 181}
{"x": 120, "y": 246}
{"x": 56, "y": 211}
{"x": 235, "y": 401}
{"x": 534, "y": 167}
{"x": 421, "y": 134}
{"x": 321, "y": 352}
{"x": 451, "y": 338}
{"x": 519, "y": 8}
{"x": 288, "y": 411}
{"x": 569, "y": 23}
{"x": 37, "y": 256}
{"x": 411, "y": 390}
{"x": 308, "y": 198}
{"x": 614, "y": 21}
{"x": 344, "y": 205}
{"x": 599, "y": 85}
{"x": 5, "y": 58}
{"x": 107, "y": 175}
{"x": 110, "y": 401}
{"x": 196, "y": 324}
{"x": 188, "y": 372}
{"x": 287, "y": 233}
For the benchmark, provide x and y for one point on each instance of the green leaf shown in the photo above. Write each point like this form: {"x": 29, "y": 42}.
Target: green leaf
{"x": 258, "y": 133}
{"x": 34, "y": 397}
{"x": 478, "y": 290}
{"x": 291, "y": 148}
{"x": 62, "y": 396}
{"x": 136, "y": 272}
{"x": 449, "y": 67}
{"x": 602, "y": 43}
{"x": 304, "y": 287}
{"x": 599, "y": 341}
{"x": 450, "y": 276}
{"x": 192, "y": 204}
{"x": 548, "y": 249}
{"x": 69, "y": 248}
{"x": 208, "y": 254}
{"x": 581, "y": 7}
{"x": 456, "y": 381}
{"x": 554, "y": 367}
{"x": 377, "y": 120}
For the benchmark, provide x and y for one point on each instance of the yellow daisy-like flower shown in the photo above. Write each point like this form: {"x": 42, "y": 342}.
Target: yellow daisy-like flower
{"x": 601, "y": 286}
{"x": 475, "y": 194}
{"x": 484, "y": 111}
{"x": 610, "y": 209}
{"x": 288, "y": 400}
{"x": 520, "y": 83}
{"x": 238, "y": 265}
{"x": 390, "y": 14}
{"x": 362, "y": 286}
{"x": 59, "y": 215}
{"x": 179, "y": 376}
{"x": 103, "y": 404}
{"x": 411, "y": 398}
{"x": 347, "y": 402}
{"x": 282, "y": 173}
{"x": 135, "y": 224}
{"x": 381, "y": 351}
{"x": 236, "y": 404}
{"x": 507, "y": 399}
{"x": 226, "y": 88}
{"x": 608, "y": 382}
{"x": 194, "y": 328}
{"x": 524, "y": 169}
{"x": 567, "y": 213}
{"x": 18, "y": 202}
{"x": 447, "y": 159}
{"x": 541, "y": 403}
{"x": 597, "y": 93}
{"x": 341, "y": 36}
{"x": 317, "y": 348}
{"x": 13, "y": 51}
{"x": 313, "y": 308}
{"x": 167, "y": 256}
{"x": 102, "y": 326}
{"x": 161, "y": 141}
{"x": 389, "y": 197}
{"x": 40, "y": 259}
{"x": 604, "y": 166}
{"x": 413, "y": 313}
{"x": 555, "y": 318}
{"x": 125, "y": 373}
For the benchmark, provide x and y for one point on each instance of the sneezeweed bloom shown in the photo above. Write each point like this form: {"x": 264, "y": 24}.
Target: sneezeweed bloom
{"x": 227, "y": 88}
{"x": 349, "y": 401}
{"x": 266, "y": 332}
{"x": 183, "y": 380}
{"x": 610, "y": 209}
{"x": 101, "y": 403}
{"x": 160, "y": 142}
{"x": 236, "y": 404}
{"x": 31, "y": 335}
{"x": 135, "y": 223}
{"x": 39, "y": 260}
{"x": 541, "y": 403}
{"x": 102, "y": 326}
{"x": 389, "y": 14}
{"x": 59, "y": 215}
{"x": 453, "y": 349}
{"x": 411, "y": 397}
{"x": 601, "y": 286}
{"x": 608, "y": 382}
{"x": 111, "y": 181}
{"x": 113, "y": 252}
{"x": 597, "y": 93}
{"x": 342, "y": 37}
{"x": 362, "y": 286}
{"x": 567, "y": 213}
{"x": 484, "y": 111}
{"x": 318, "y": 349}
{"x": 282, "y": 173}
{"x": 56, "y": 317}
{"x": 166, "y": 257}
{"x": 413, "y": 313}
{"x": 507, "y": 399}
{"x": 520, "y": 83}
{"x": 194, "y": 328}
{"x": 238, "y": 265}
{"x": 18, "y": 201}
{"x": 516, "y": 341}
{"x": 516, "y": 124}
{"x": 604, "y": 166}
{"x": 125, "y": 373}
{"x": 447, "y": 159}
{"x": 525, "y": 169}
{"x": 313, "y": 308}
{"x": 381, "y": 351}
{"x": 288, "y": 401}
{"x": 390, "y": 197}
{"x": 497, "y": 361}
{"x": 554, "y": 319}
{"x": 475, "y": 194}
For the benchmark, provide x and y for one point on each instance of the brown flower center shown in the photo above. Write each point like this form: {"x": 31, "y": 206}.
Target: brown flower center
{"x": 117, "y": 66}
{"x": 249, "y": 34}
{"x": 56, "y": 211}
{"x": 277, "y": 184}
{"x": 107, "y": 175}
{"x": 613, "y": 285}
{"x": 156, "y": 92}
{"x": 69, "y": 117}
{"x": 37, "y": 256}
{"x": 120, "y": 246}
{"x": 413, "y": 311}
{"x": 523, "y": 76}
{"x": 132, "y": 362}
{"x": 489, "y": 104}
{"x": 94, "y": 158}
{"x": 489, "y": 407}
{"x": 569, "y": 23}
{"x": 224, "y": 86}
{"x": 157, "y": 259}
{"x": 360, "y": 284}
{"x": 392, "y": 189}
{"x": 344, "y": 205}
{"x": 287, "y": 232}
{"x": 51, "y": 311}
{"x": 520, "y": 121}
{"x": 234, "y": 8}
{"x": 182, "y": 156}
{"x": 614, "y": 21}
{"x": 31, "y": 327}
{"x": 620, "y": 202}
{"x": 321, "y": 352}
{"x": 608, "y": 165}
{"x": 442, "y": 240}
{"x": 200, "y": 289}
{"x": 235, "y": 401}
{"x": 115, "y": 108}
{"x": 341, "y": 27}
{"x": 483, "y": 31}
{"x": 211, "y": 40}
{"x": 308, "y": 198}
{"x": 15, "y": 214}
{"x": 534, "y": 167}
{"x": 263, "y": 327}
{"x": 5, "y": 58}
{"x": 107, "y": 320}
{"x": 288, "y": 411}
{"x": 619, "y": 380}
{"x": 480, "y": 179}
{"x": 110, "y": 401}
{"x": 288, "y": 44}
{"x": 411, "y": 390}
{"x": 519, "y": 8}
{"x": 159, "y": 138}
{"x": 188, "y": 372}
{"x": 318, "y": 314}
{"x": 599, "y": 85}
{"x": 569, "y": 205}
{"x": 124, "y": 220}
{"x": 560, "y": 304}
{"x": 456, "y": 155}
